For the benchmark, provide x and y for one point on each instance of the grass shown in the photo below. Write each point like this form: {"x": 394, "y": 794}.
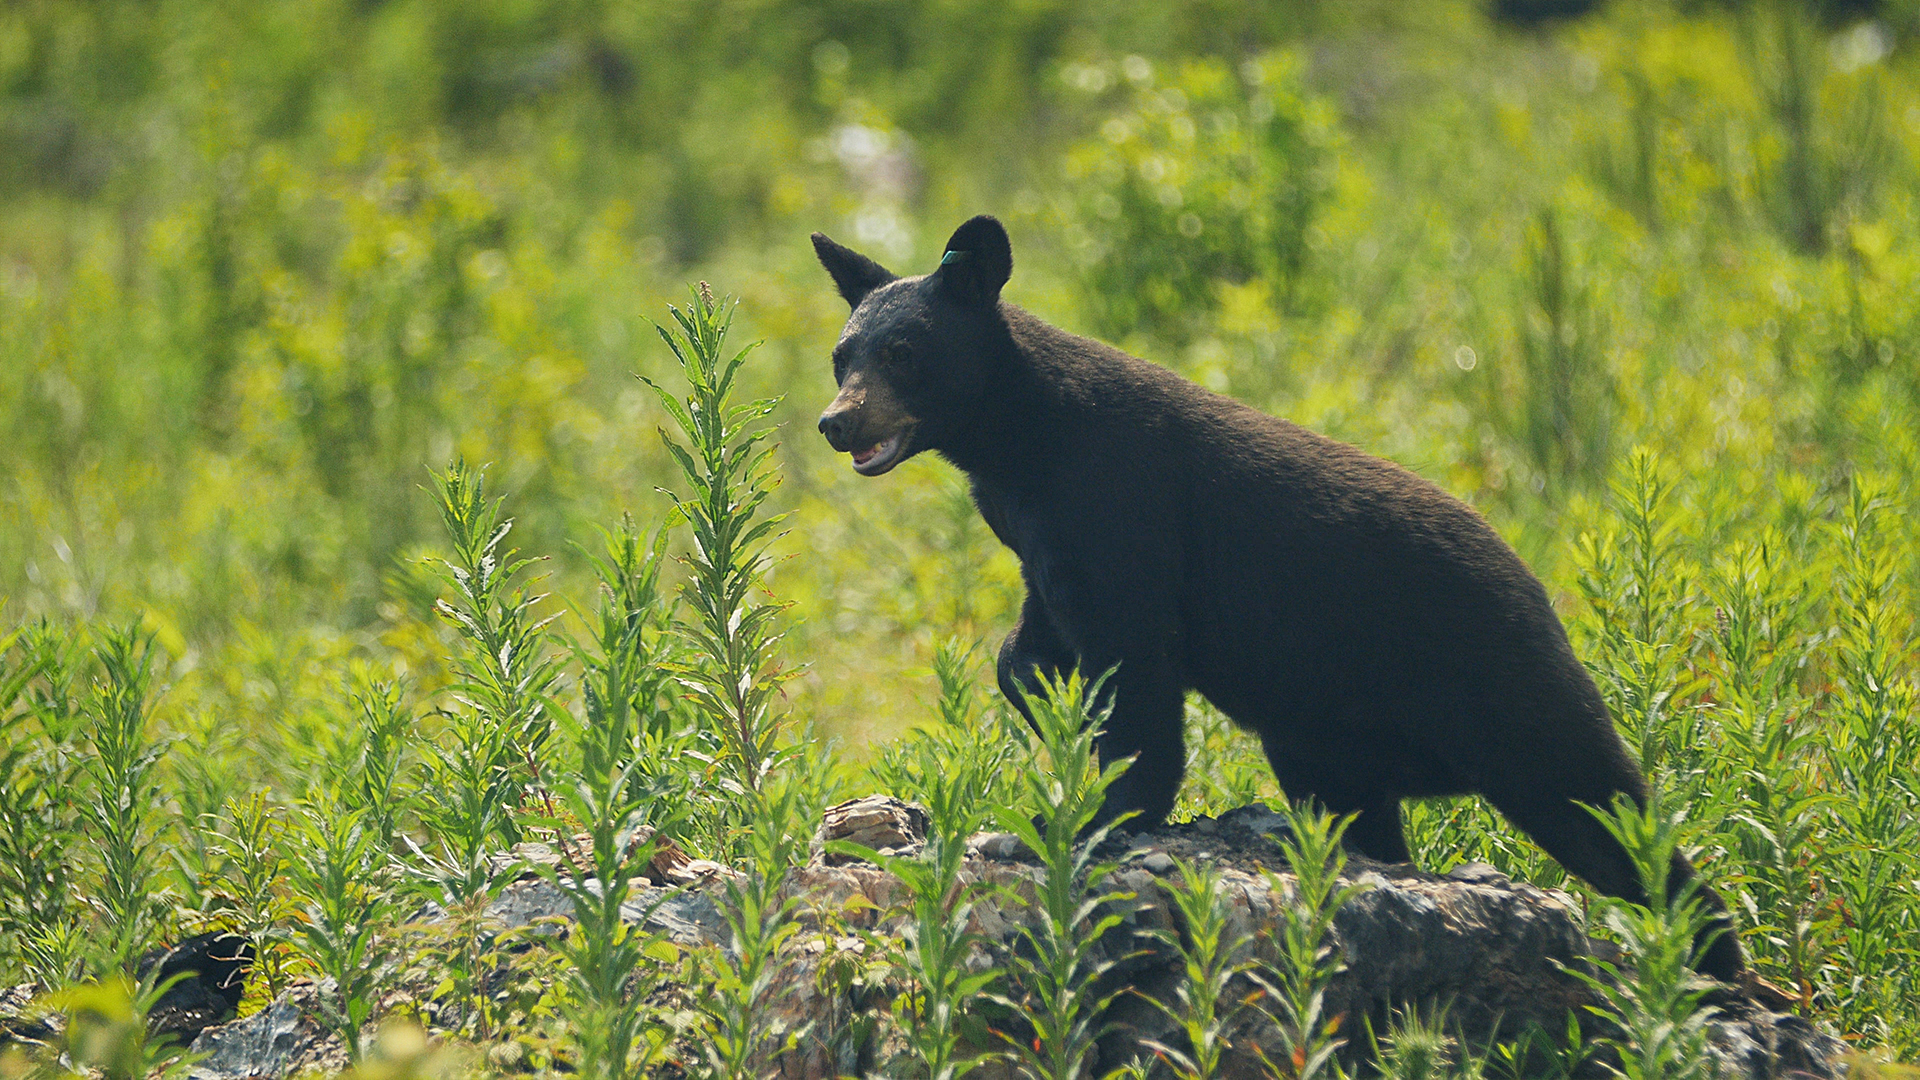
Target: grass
{"x": 1639, "y": 286}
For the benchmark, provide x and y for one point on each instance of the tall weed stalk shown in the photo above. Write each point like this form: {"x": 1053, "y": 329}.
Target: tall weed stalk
{"x": 1874, "y": 764}
{"x": 1306, "y": 959}
{"x": 124, "y": 792}
{"x": 951, "y": 773}
{"x": 1659, "y": 1004}
{"x": 38, "y": 913}
{"x": 607, "y": 959}
{"x": 1212, "y": 958}
{"x": 250, "y": 840}
{"x": 1638, "y": 585}
{"x": 345, "y": 881}
{"x": 1762, "y": 605}
{"x": 728, "y": 468}
{"x": 481, "y": 776}
{"x": 1057, "y": 973}
{"x": 505, "y": 679}
{"x": 373, "y": 777}
{"x": 743, "y": 984}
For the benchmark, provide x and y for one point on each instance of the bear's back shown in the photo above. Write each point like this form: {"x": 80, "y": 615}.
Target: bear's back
{"x": 1312, "y": 577}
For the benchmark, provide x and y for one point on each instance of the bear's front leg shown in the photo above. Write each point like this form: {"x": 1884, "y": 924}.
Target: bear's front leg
{"x": 1107, "y": 612}
{"x": 1146, "y": 723}
{"x": 1147, "y": 706}
{"x": 1033, "y": 650}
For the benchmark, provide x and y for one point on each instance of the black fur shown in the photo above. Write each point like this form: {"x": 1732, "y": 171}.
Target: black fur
{"x": 1381, "y": 640}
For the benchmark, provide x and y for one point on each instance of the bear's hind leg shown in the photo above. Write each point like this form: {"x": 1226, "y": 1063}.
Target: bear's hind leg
{"x": 1582, "y": 845}
{"x": 1376, "y": 832}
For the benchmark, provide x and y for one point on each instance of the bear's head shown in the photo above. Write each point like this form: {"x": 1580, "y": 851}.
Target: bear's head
{"x": 917, "y": 356}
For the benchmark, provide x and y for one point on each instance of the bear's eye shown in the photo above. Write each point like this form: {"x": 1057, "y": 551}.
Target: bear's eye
{"x": 894, "y": 354}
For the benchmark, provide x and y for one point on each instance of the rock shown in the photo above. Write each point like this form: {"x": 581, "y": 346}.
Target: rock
{"x": 1257, "y": 819}
{"x": 667, "y": 865}
{"x": 1496, "y": 951}
{"x": 529, "y": 858}
{"x": 881, "y": 822}
{"x": 23, "y": 1018}
{"x": 671, "y": 866}
{"x": 998, "y": 846}
{"x": 686, "y": 918}
{"x": 695, "y": 871}
{"x": 1478, "y": 873}
{"x": 284, "y": 1038}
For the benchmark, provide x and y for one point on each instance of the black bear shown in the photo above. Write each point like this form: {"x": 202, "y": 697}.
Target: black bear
{"x": 1374, "y": 632}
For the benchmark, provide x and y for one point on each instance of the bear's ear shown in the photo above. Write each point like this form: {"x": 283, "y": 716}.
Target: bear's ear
{"x": 978, "y": 262}
{"x": 854, "y": 273}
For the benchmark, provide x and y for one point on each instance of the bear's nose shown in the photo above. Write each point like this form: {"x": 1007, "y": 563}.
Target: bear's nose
{"x": 834, "y": 424}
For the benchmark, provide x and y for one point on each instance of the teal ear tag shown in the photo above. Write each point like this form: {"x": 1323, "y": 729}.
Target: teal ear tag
{"x": 954, "y": 257}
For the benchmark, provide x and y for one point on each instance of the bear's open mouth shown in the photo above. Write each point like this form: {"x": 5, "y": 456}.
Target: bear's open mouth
{"x": 881, "y": 456}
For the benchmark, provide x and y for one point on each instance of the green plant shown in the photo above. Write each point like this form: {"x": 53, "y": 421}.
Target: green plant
{"x": 1539, "y": 1053}
{"x": 106, "y": 1030}
{"x": 124, "y": 792}
{"x": 1658, "y": 1004}
{"x": 611, "y": 963}
{"x": 464, "y": 950}
{"x": 1762, "y": 601}
{"x": 404, "y": 1051}
{"x": 727, "y": 465}
{"x": 1205, "y": 1004}
{"x": 963, "y": 761}
{"x": 36, "y": 827}
{"x": 1226, "y": 768}
{"x": 372, "y": 779}
{"x": 505, "y": 678}
{"x": 345, "y": 882}
{"x": 671, "y": 753}
{"x": 1640, "y": 595}
{"x": 1057, "y": 989}
{"x": 200, "y": 776}
{"x": 1306, "y": 954}
{"x": 482, "y": 777}
{"x": 931, "y": 950}
{"x": 249, "y": 839}
{"x": 744, "y": 978}
{"x": 1880, "y": 808}
{"x": 1418, "y": 1047}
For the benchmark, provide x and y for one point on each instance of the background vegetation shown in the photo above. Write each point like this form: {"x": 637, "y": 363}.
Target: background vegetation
{"x": 1643, "y": 286}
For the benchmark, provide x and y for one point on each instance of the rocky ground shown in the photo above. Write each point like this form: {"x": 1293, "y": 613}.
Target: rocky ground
{"x": 1493, "y": 953}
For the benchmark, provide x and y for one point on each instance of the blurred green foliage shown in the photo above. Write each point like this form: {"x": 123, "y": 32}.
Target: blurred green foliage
{"x": 265, "y": 264}
{"x": 262, "y": 265}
